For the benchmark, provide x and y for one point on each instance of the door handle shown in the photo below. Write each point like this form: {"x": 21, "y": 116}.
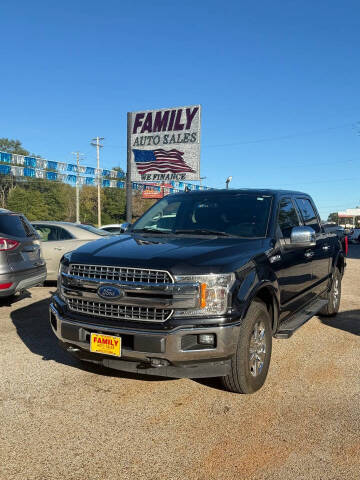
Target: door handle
{"x": 57, "y": 248}
{"x": 326, "y": 247}
{"x": 309, "y": 254}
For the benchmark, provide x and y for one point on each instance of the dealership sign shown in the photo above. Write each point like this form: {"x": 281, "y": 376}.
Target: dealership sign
{"x": 164, "y": 144}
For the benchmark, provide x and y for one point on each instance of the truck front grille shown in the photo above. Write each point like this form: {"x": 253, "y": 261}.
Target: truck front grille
{"x": 120, "y": 312}
{"x": 122, "y": 274}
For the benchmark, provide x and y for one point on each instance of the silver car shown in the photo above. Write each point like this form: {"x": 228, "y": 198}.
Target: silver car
{"x": 58, "y": 238}
{"x": 21, "y": 264}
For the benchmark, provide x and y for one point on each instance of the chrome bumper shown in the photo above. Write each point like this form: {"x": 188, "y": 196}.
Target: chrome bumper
{"x": 194, "y": 363}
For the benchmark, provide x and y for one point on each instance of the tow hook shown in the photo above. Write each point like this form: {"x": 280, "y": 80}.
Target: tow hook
{"x": 72, "y": 349}
{"x": 154, "y": 362}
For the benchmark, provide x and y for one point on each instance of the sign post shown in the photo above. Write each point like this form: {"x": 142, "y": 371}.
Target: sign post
{"x": 128, "y": 173}
{"x": 162, "y": 146}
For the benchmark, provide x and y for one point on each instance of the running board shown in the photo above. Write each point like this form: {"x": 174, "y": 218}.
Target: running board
{"x": 288, "y": 327}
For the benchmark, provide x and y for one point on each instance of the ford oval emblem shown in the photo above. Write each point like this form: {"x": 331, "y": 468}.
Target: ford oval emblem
{"x": 108, "y": 291}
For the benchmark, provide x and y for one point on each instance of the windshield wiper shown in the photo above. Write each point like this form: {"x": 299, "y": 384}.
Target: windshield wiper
{"x": 205, "y": 231}
{"x": 151, "y": 230}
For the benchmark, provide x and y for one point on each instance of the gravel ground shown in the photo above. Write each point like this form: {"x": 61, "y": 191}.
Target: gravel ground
{"x": 62, "y": 421}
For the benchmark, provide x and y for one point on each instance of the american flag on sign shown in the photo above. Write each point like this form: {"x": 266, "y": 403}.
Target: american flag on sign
{"x": 160, "y": 161}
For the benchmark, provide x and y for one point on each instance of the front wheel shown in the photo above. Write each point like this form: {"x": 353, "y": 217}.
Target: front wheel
{"x": 250, "y": 363}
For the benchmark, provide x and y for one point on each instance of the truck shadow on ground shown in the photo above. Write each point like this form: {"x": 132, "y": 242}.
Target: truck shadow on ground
{"x": 348, "y": 321}
{"x": 33, "y": 327}
{"x": 9, "y": 302}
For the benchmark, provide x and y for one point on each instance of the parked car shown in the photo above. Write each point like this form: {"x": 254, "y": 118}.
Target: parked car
{"x": 203, "y": 292}
{"x": 114, "y": 228}
{"x": 21, "y": 263}
{"x": 58, "y": 238}
{"x": 340, "y": 232}
{"x": 354, "y": 235}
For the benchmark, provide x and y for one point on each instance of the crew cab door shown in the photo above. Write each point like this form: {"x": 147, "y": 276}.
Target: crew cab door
{"x": 291, "y": 264}
{"x": 322, "y": 251}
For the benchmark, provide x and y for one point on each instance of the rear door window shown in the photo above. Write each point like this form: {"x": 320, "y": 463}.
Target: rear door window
{"x": 51, "y": 233}
{"x": 12, "y": 225}
{"x": 308, "y": 213}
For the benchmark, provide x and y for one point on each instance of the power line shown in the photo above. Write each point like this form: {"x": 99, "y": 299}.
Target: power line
{"x": 270, "y": 139}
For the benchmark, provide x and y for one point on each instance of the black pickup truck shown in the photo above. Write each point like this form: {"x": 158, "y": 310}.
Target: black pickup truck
{"x": 200, "y": 285}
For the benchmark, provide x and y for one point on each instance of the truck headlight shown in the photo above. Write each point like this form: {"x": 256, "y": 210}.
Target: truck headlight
{"x": 214, "y": 293}
{"x": 64, "y": 267}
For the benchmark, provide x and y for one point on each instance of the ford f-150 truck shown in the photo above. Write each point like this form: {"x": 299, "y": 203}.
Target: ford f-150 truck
{"x": 199, "y": 286}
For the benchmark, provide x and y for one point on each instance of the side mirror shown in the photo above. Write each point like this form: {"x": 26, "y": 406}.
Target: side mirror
{"x": 302, "y": 237}
{"x": 124, "y": 227}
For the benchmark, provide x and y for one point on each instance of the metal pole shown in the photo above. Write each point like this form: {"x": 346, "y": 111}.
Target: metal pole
{"x": 77, "y": 188}
{"x": 128, "y": 172}
{"x": 98, "y": 146}
{"x": 77, "y": 154}
{"x": 98, "y": 186}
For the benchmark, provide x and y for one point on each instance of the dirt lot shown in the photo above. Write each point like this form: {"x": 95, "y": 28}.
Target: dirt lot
{"x": 61, "y": 421}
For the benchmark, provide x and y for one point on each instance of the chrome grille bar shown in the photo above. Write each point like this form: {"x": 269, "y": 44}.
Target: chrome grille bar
{"x": 103, "y": 272}
{"x": 120, "y": 312}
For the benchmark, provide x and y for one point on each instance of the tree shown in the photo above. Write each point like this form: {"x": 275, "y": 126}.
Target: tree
{"x": 88, "y": 204}
{"x": 333, "y": 217}
{"x": 119, "y": 169}
{"x": 114, "y": 205}
{"x": 140, "y": 205}
{"x": 12, "y": 146}
{"x": 29, "y": 202}
{"x": 7, "y": 183}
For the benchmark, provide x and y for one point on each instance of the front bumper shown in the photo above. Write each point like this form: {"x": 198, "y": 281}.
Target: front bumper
{"x": 140, "y": 346}
{"x": 22, "y": 280}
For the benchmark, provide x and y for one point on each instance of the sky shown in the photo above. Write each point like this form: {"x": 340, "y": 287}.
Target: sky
{"x": 278, "y": 81}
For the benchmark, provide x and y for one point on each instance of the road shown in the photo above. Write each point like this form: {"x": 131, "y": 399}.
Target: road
{"x": 60, "y": 420}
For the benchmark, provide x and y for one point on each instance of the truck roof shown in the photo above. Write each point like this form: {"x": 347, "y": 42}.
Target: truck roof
{"x": 255, "y": 191}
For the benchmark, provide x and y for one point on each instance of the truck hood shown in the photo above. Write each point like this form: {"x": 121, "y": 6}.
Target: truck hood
{"x": 178, "y": 254}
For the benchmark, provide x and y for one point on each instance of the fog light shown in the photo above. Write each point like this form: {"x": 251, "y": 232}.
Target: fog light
{"x": 158, "y": 362}
{"x": 206, "y": 339}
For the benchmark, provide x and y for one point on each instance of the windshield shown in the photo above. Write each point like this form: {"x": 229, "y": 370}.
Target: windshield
{"x": 238, "y": 214}
{"x": 92, "y": 229}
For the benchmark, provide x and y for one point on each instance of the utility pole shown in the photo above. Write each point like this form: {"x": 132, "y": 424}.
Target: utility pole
{"x": 77, "y": 154}
{"x": 98, "y": 146}
{"x": 128, "y": 172}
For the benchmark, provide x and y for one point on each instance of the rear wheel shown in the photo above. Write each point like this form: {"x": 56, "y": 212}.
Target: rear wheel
{"x": 333, "y": 296}
{"x": 250, "y": 363}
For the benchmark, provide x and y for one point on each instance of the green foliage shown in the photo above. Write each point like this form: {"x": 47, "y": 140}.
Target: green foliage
{"x": 140, "y": 205}
{"x": 7, "y": 183}
{"x": 333, "y": 217}
{"x": 30, "y": 202}
{"x": 12, "y": 146}
{"x": 114, "y": 206}
{"x": 47, "y": 200}
{"x": 88, "y": 204}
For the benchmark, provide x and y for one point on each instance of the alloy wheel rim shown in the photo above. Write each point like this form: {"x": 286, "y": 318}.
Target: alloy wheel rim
{"x": 257, "y": 349}
{"x": 336, "y": 292}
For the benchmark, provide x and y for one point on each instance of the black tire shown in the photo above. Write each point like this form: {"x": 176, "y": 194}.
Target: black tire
{"x": 333, "y": 296}
{"x": 243, "y": 377}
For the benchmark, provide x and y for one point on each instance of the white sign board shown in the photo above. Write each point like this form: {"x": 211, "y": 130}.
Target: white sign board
{"x": 165, "y": 144}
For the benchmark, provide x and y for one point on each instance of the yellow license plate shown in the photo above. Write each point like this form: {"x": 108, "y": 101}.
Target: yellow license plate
{"x": 106, "y": 344}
